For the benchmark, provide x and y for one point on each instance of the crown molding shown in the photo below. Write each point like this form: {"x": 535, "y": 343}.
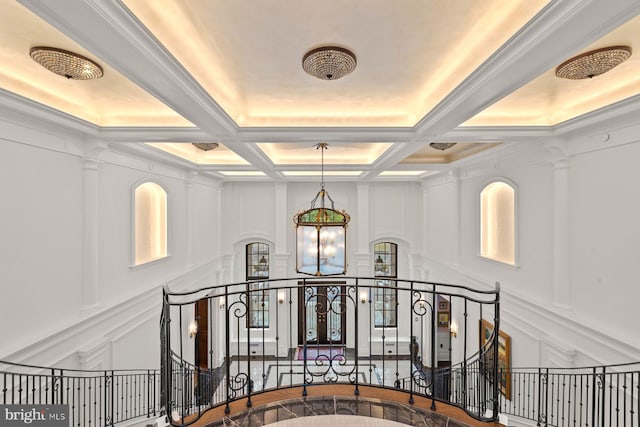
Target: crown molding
{"x": 112, "y": 33}
{"x": 556, "y": 32}
{"x": 614, "y": 116}
{"x": 328, "y": 134}
{"x": 34, "y": 115}
{"x": 156, "y": 134}
{"x": 491, "y": 134}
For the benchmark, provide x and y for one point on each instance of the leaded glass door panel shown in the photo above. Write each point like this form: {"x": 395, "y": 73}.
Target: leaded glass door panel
{"x": 322, "y": 313}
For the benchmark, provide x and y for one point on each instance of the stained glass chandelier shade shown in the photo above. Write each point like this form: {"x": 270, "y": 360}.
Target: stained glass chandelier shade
{"x": 321, "y": 236}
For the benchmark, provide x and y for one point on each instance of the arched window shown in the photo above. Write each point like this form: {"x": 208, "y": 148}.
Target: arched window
{"x": 150, "y": 223}
{"x": 257, "y": 269}
{"x": 497, "y": 222}
{"x": 385, "y": 265}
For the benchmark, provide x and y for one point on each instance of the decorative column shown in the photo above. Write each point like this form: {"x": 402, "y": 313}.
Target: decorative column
{"x": 562, "y": 287}
{"x": 454, "y": 178}
{"x": 362, "y": 222}
{"x": 190, "y": 216}
{"x": 562, "y": 294}
{"x": 217, "y": 195}
{"x": 425, "y": 217}
{"x": 90, "y": 225}
{"x": 283, "y": 223}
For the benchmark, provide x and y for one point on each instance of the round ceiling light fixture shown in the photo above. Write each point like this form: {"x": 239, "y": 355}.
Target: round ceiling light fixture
{"x": 593, "y": 63}
{"x": 329, "y": 62}
{"x": 65, "y": 63}
{"x": 206, "y": 146}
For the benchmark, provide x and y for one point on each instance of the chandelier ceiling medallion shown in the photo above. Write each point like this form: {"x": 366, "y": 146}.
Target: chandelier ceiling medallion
{"x": 321, "y": 234}
{"x": 329, "y": 62}
{"x": 66, "y": 63}
{"x": 593, "y": 63}
{"x": 206, "y": 146}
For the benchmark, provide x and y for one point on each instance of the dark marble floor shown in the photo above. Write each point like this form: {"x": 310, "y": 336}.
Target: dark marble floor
{"x": 337, "y": 405}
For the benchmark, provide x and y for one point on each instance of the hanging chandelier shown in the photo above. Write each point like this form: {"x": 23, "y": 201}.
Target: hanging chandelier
{"x": 321, "y": 248}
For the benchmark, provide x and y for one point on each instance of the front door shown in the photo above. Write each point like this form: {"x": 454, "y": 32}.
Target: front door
{"x": 322, "y": 312}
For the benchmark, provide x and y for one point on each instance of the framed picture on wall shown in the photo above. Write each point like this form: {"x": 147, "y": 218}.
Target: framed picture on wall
{"x": 443, "y": 318}
{"x": 504, "y": 357}
{"x": 443, "y": 306}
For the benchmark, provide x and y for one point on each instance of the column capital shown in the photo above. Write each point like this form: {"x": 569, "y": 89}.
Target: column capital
{"x": 561, "y": 163}
{"x": 94, "y": 148}
{"x": 558, "y": 148}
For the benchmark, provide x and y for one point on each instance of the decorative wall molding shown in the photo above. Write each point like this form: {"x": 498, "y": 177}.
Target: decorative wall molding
{"x": 539, "y": 316}
{"x": 112, "y": 321}
{"x": 67, "y": 341}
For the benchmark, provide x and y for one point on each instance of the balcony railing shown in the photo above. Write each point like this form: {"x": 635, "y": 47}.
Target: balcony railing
{"x": 94, "y": 398}
{"x": 589, "y": 396}
{"x": 403, "y": 358}
{"x": 353, "y": 330}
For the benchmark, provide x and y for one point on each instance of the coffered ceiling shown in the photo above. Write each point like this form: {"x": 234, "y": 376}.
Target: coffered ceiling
{"x": 230, "y": 72}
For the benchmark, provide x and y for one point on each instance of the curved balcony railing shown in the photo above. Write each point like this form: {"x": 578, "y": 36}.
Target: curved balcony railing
{"x": 403, "y": 358}
{"x": 387, "y": 333}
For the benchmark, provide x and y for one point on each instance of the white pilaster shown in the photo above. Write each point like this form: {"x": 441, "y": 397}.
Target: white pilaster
{"x": 219, "y": 215}
{"x": 562, "y": 293}
{"x": 454, "y": 178}
{"x": 425, "y": 215}
{"x": 190, "y": 216}
{"x": 362, "y": 223}
{"x": 283, "y": 219}
{"x": 562, "y": 287}
{"x": 90, "y": 225}
{"x": 283, "y": 222}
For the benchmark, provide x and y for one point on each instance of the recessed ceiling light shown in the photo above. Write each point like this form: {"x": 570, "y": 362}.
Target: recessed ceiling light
{"x": 65, "y": 63}
{"x": 593, "y": 63}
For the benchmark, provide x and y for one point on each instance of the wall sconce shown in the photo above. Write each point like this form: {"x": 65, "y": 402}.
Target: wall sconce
{"x": 453, "y": 329}
{"x": 193, "y": 328}
{"x": 364, "y": 296}
{"x": 221, "y": 303}
{"x": 281, "y": 296}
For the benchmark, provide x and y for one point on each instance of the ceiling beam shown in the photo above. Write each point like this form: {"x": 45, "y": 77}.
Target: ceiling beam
{"x": 111, "y": 32}
{"x": 553, "y": 35}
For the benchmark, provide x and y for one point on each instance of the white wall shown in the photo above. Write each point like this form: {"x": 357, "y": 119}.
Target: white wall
{"x": 57, "y": 308}
{"x": 598, "y": 324}
{"x": 436, "y": 223}
{"x": 41, "y": 243}
{"x": 605, "y": 236}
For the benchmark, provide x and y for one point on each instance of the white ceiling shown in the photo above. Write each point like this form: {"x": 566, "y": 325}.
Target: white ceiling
{"x": 230, "y": 72}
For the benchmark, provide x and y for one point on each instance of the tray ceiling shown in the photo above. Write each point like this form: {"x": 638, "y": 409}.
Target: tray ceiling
{"x": 177, "y": 71}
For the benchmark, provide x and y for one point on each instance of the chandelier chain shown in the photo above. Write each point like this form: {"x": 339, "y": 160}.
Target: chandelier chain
{"x": 322, "y": 146}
